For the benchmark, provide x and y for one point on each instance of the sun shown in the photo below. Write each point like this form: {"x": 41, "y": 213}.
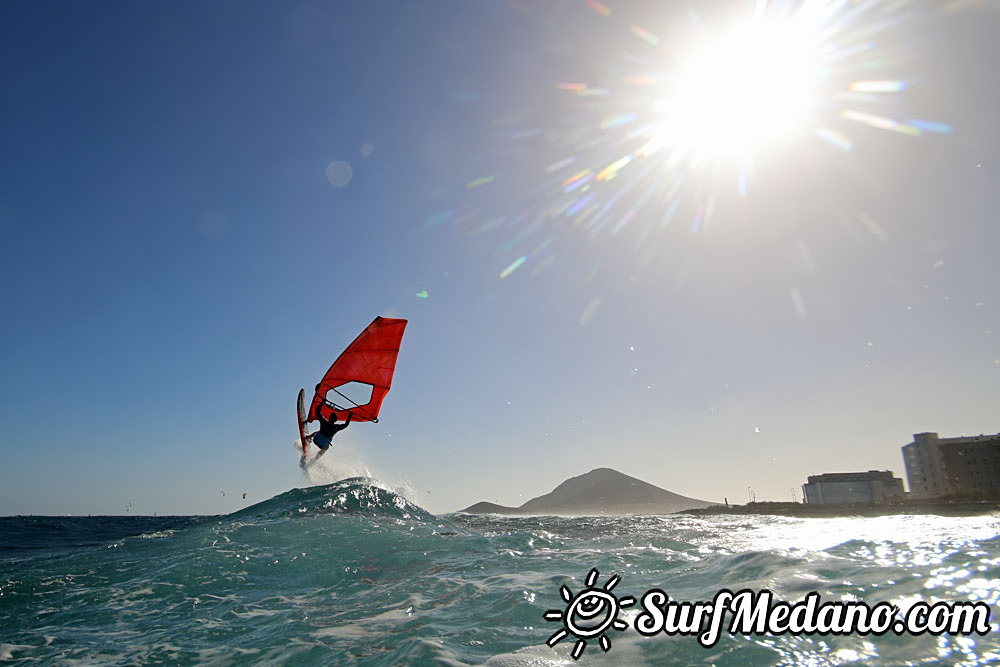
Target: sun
{"x": 742, "y": 90}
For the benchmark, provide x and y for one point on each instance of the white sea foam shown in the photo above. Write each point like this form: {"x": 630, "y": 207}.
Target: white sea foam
{"x": 344, "y": 461}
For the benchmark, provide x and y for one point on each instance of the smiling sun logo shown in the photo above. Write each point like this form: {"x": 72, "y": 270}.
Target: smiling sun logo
{"x": 589, "y": 614}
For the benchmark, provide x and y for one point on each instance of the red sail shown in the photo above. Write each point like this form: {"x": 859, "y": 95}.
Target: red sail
{"x": 369, "y": 360}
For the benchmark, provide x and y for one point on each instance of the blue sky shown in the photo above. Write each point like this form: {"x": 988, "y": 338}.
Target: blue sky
{"x": 182, "y": 248}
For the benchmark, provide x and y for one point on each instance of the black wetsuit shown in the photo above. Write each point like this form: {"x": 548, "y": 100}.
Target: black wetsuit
{"x": 327, "y": 429}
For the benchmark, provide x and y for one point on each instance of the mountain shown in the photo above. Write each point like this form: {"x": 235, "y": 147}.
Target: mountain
{"x": 489, "y": 508}
{"x": 600, "y": 491}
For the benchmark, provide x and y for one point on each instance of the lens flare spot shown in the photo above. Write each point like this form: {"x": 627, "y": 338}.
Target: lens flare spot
{"x": 339, "y": 173}
{"x": 880, "y": 122}
{"x": 612, "y": 169}
{"x": 600, "y": 8}
{"x": 798, "y": 303}
{"x": 834, "y": 138}
{"x": 576, "y": 180}
{"x": 873, "y": 227}
{"x": 589, "y": 312}
{"x": 878, "y": 86}
{"x": 618, "y": 120}
{"x": 645, "y": 35}
{"x": 478, "y": 182}
{"x": 438, "y": 218}
{"x": 931, "y": 126}
{"x": 513, "y": 266}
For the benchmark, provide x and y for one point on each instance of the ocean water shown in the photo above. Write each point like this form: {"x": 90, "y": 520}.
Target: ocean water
{"x": 352, "y": 573}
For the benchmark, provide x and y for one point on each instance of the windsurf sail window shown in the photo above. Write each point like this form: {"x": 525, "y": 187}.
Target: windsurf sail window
{"x": 350, "y": 395}
{"x": 369, "y": 360}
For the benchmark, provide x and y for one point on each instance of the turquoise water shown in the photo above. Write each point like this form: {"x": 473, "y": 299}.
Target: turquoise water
{"x": 350, "y": 573}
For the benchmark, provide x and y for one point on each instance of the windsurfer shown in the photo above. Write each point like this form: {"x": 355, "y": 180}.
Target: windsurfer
{"x": 327, "y": 429}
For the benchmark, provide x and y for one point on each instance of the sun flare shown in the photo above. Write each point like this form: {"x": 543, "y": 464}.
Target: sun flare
{"x": 667, "y": 124}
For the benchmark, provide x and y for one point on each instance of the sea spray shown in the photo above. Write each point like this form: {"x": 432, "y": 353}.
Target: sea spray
{"x": 344, "y": 461}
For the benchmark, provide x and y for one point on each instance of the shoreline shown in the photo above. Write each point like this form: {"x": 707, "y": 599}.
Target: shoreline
{"x": 942, "y": 508}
